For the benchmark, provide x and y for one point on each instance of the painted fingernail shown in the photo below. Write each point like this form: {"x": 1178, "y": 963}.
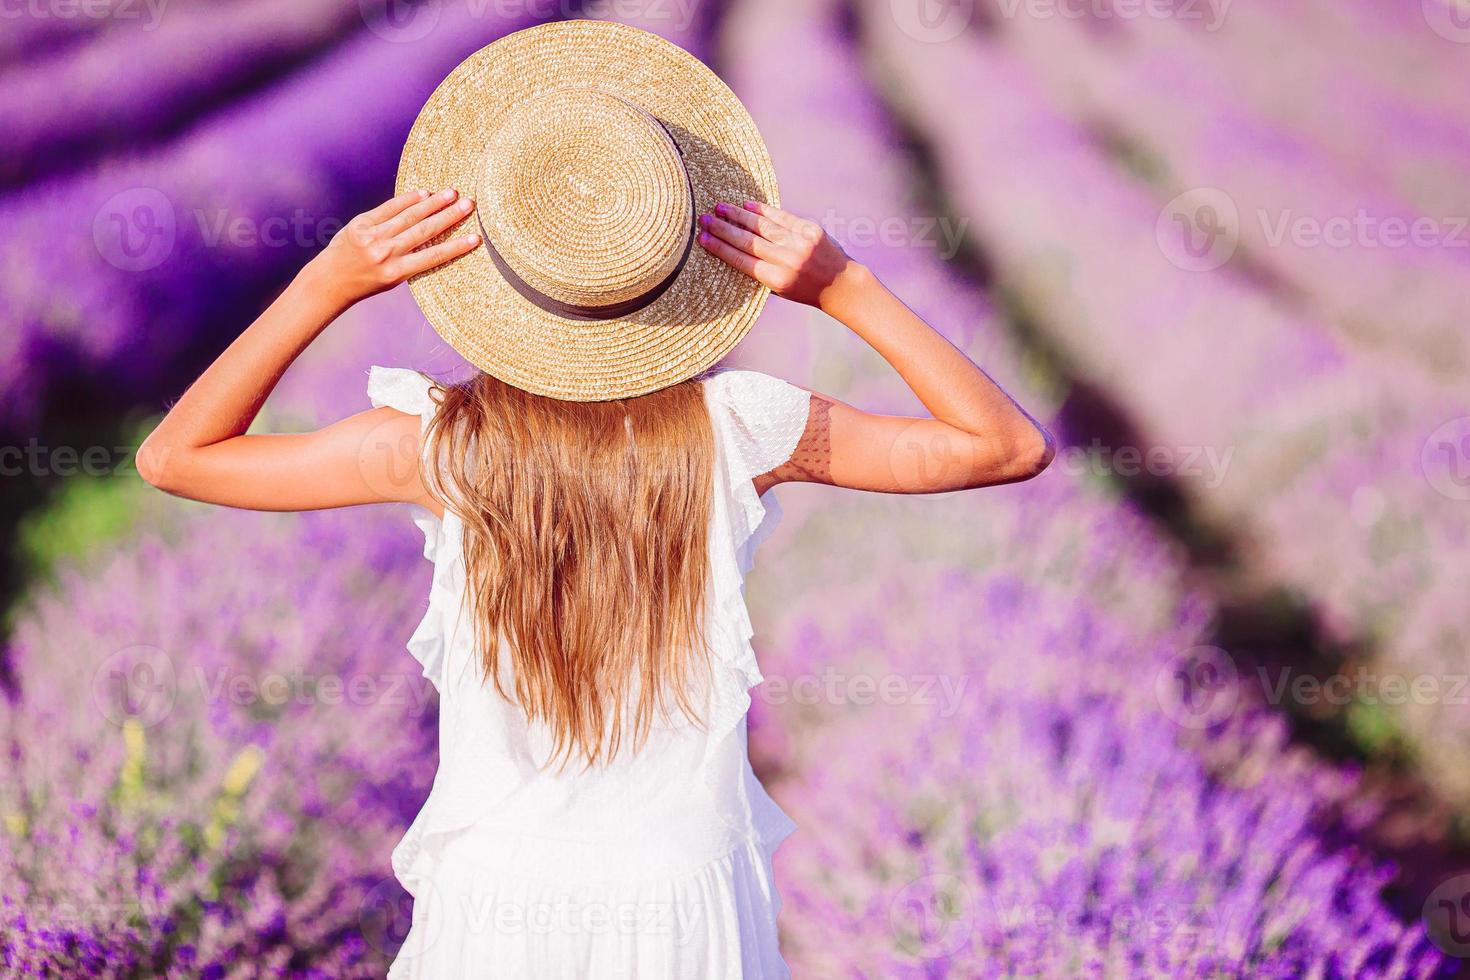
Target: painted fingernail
{"x": 704, "y": 238}
{"x": 705, "y": 220}
{"x": 722, "y": 208}
{"x": 750, "y": 205}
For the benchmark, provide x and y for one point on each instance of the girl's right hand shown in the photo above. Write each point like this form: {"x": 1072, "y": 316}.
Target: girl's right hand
{"x": 376, "y": 250}
{"x": 795, "y": 257}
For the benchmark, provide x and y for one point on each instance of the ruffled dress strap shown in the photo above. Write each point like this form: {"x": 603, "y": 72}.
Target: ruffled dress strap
{"x": 405, "y": 389}
{"x": 758, "y": 421}
{"x": 410, "y": 392}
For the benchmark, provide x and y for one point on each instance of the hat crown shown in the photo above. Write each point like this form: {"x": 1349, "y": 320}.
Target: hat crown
{"x": 585, "y": 197}
{"x": 496, "y": 319}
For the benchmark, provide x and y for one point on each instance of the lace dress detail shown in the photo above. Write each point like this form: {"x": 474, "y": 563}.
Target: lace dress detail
{"x": 655, "y": 866}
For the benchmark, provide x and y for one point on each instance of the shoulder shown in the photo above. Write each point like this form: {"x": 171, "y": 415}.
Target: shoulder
{"x": 404, "y": 389}
{"x": 741, "y": 388}
{"x": 760, "y": 418}
{"x": 756, "y": 399}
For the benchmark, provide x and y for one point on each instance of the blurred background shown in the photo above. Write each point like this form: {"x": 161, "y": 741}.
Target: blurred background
{"x": 1193, "y": 703}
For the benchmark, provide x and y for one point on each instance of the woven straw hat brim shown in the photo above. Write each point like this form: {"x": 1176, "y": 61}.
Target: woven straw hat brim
{"x": 702, "y": 315}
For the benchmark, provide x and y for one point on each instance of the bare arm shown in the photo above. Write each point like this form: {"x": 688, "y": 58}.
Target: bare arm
{"x": 200, "y": 449}
{"x": 977, "y": 435}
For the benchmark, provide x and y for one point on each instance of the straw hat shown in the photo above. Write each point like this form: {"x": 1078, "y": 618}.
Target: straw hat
{"x": 590, "y": 148}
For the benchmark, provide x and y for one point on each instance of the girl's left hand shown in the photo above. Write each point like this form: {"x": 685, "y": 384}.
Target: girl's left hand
{"x": 376, "y": 250}
{"x": 794, "y": 257}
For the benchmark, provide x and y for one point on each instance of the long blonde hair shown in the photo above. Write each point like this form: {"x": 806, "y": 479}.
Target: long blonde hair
{"x": 586, "y": 550}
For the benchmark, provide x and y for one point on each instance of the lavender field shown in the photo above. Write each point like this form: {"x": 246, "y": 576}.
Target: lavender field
{"x": 1194, "y": 703}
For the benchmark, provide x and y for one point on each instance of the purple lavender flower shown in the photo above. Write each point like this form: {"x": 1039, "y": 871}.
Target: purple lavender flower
{"x": 153, "y": 75}
{"x": 1266, "y": 401}
{"x": 1050, "y": 821}
{"x": 162, "y": 256}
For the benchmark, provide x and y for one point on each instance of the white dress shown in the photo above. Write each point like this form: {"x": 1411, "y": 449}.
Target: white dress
{"x": 656, "y": 867}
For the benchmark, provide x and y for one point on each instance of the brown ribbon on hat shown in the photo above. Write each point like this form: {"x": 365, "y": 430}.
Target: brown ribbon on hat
{"x": 576, "y": 311}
